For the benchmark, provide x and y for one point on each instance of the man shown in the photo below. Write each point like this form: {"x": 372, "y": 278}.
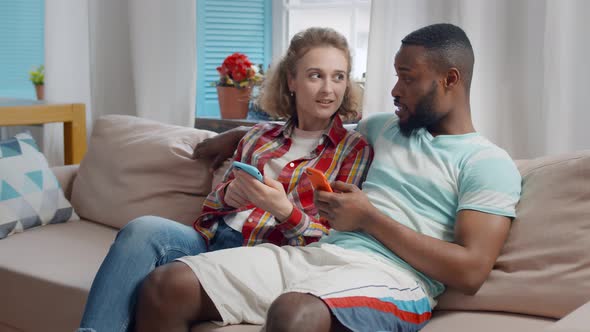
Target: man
{"x": 434, "y": 210}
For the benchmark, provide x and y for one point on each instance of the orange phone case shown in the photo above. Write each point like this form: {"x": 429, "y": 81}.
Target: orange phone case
{"x": 318, "y": 179}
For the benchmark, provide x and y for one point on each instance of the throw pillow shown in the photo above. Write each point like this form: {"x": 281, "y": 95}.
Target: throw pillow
{"x": 136, "y": 167}
{"x": 30, "y": 195}
{"x": 544, "y": 267}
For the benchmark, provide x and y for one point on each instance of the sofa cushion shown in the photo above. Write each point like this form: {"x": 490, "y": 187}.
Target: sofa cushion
{"x": 137, "y": 167}
{"x": 544, "y": 267}
{"x": 30, "y": 195}
{"x": 463, "y": 321}
{"x": 576, "y": 321}
{"x": 442, "y": 321}
{"x": 46, "y": 273}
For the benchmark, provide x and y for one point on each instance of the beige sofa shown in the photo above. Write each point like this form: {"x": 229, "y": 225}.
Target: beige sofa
{"x": 134, "y": 167}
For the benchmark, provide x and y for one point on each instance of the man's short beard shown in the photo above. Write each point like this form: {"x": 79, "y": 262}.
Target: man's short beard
{"x": 424, "y": 114}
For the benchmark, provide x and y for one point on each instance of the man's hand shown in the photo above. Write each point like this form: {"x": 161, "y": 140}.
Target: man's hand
{"x": 347, "y": 208}
{"x": 219, "y": 148}
{"x": 269, "y": 196}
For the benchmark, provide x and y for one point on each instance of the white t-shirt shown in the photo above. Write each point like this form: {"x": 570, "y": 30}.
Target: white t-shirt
{"x": 303, "y": 142}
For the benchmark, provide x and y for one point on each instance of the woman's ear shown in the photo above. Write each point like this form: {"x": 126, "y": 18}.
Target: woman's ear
{"x": 291, "y": 82}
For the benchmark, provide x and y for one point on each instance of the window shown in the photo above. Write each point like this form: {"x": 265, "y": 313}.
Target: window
{"x": 349, "y": 17}
{"x": 23, "y": 43}
{"x": 263, "y": 28}
{"x": 225, "y": 27}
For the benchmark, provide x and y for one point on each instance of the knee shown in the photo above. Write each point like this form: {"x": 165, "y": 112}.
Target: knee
{"x": 164, "y": 289}
{"x": 142, "y": 229}
{"x": 297, "y": 312}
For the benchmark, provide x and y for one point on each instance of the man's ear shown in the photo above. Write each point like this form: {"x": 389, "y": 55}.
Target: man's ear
{"x": 453, "y": 78}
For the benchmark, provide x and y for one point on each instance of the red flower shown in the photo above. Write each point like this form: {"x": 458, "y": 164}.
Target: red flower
{"x": 238, "y": 75}
{"x": 222, "y": 70}
{"x": 237, "y": 70}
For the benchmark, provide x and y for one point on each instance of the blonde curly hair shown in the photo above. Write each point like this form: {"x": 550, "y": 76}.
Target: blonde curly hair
{"x": 275, "y": 97}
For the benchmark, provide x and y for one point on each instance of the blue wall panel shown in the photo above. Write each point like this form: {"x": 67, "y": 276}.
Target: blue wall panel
{"x": 225, "y": 27}
{"x": 22, "y": 45}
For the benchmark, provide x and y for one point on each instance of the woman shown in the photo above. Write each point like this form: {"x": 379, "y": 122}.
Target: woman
{"x": 311, "y": 88}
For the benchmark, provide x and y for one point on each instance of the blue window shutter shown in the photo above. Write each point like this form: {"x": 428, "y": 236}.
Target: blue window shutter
{"x": 225, "y": 27}
{"x": 22, "y": 47}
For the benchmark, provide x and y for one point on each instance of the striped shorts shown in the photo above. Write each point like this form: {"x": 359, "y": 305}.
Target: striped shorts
{"x": 364, "y": 292}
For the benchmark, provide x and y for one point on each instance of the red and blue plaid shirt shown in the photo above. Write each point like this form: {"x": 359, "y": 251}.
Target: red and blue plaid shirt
{"x": 342, "y": 155}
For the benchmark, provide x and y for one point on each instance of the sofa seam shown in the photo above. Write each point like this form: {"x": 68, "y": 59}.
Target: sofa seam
{"x": 557, "y": 162}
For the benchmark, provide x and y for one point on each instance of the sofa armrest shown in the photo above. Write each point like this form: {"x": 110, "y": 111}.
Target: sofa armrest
{"x": 576, "y": 321}
{"x": 65, "y": 176}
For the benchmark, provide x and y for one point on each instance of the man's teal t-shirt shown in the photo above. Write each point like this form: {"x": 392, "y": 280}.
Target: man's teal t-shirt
{"x": 422, "y": 182}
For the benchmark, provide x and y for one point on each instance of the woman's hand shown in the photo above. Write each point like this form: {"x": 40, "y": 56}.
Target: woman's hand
{"x": 269, "y": 196}
{"x": 234, "y": 195}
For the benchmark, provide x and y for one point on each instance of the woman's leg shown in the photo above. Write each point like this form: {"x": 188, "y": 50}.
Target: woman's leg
{"x": 171, "y": 297}
{"x": 141, "y": 246}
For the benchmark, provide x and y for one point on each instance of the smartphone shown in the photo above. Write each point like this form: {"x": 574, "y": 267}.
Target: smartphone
{"x": 249, "y": 169}
{"x": 318, "y": 179}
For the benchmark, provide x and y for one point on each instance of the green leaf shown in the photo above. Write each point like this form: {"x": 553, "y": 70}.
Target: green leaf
{"x": 37, "y": 75}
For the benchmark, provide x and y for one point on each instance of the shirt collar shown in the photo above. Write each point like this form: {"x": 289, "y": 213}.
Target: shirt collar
{"x": 335, "y": 131}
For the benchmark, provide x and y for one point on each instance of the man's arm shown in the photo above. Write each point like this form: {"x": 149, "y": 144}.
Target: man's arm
{"x": 221, "y": 147}
{"x": 464, "y": 264}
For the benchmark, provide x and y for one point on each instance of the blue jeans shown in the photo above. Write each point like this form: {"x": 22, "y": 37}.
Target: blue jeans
{"x": 141, "y": 246}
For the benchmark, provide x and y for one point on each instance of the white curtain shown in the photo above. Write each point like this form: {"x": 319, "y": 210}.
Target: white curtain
{"x": 67, "y": 65}
{"x": 133, "y": 57}
{"x": 531, "y": 66}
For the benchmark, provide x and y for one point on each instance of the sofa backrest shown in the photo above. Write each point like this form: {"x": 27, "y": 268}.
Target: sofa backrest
{"x": 544, "y": 267}
{"x": 136, "y": 167}
{"x": 65, "y": 176}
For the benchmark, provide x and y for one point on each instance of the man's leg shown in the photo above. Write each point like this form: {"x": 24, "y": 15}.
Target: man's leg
{"x": 243, "y": 281}
{"x": 171, "y": 299}
{"x": 300, "y": 312}
{"x": 140, "y": 246}
{"x": 364, "y": 292}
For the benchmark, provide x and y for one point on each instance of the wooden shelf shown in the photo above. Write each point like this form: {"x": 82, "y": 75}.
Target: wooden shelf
{"x": 19, "y": 112}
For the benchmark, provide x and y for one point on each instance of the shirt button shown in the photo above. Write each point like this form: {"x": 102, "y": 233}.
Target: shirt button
{"x": 249, "y": 219}
{"x": 292, "y": 164}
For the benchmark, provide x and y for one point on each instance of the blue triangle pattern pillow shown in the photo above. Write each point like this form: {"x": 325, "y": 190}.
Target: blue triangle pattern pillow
{"x": 30, "y": 194}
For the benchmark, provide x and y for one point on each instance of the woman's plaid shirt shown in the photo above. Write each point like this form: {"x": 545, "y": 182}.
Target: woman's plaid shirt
{"x": 342, "y": 155}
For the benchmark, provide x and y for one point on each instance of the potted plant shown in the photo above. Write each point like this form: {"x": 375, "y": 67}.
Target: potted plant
{"x": 237, "y": 76}
{"x": 37, "y": 77}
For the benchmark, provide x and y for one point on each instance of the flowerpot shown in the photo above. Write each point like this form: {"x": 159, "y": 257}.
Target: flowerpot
{"x": 233, "y": 102}
{"x": 40, "y": 91}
